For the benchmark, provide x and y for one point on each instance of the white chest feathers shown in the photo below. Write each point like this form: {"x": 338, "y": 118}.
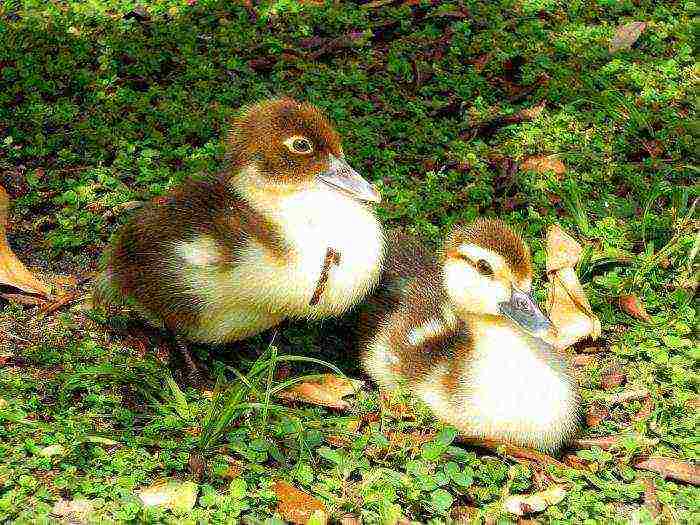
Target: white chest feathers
{"x": 506, "y": 391}
{"x": 313, "y": 222}
{"x": 516, "y": 392}
{"x": 261, "y": 288}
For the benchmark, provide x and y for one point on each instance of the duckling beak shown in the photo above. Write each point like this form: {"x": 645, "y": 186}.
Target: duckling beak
{"x": 341, "y": 176}
{"x": 522, "y": 309}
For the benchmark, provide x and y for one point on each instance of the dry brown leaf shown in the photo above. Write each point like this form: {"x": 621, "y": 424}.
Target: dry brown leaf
{"x": 693, "y": 403}
{"x": 12, "y": 272}
{"x": 645, "y": 411}
{"x": 328, "y": 390}
{"x": 593, "y": 350}
{"x": 612, "y": 378}
{"x": 567, "y": 304}
{"x": 532, "y": 113}
{"x": 60, "y": 302}
{"x": 631, "y": 305}
{"x": 671, "y": 468}
{"x": 338, "y": 441}
{"x": 196, "y": 465}
{"x": 596, "y": 414}
{"x": 350, "y": 519}
{"x": 563, "y": 251}
{"x": 519, "y": 453}
{"x": 543, "y": 164}
{"x": 294, "y": 505}
{"x": 521, "y": 504}
{"x": 581, "y": 361}
{"x": 463, "y": 514}
{"x": 626, "y": 35}
{"x": 573, "y": 461}
{"x": 651, "y": 501}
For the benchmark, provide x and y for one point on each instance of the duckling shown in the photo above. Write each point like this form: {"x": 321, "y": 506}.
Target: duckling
{"x": 286, "y": 231}
{"x": 462, "y": 332}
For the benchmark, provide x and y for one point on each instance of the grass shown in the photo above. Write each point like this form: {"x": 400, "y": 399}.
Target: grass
{"x": 102, "y": 103}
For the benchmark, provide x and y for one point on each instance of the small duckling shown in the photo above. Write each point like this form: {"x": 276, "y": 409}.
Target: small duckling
{"x": 461, "y": 333}
{"x": 284, "y": 232}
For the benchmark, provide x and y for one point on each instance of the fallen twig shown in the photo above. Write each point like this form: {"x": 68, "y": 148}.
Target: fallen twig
{"x": 606, "y": 442}
{"x": 63, "y": 300}
{"x": 511, "y": 450}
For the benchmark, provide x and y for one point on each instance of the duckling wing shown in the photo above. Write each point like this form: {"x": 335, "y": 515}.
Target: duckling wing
{"x": 408, "y": 266}
{"x": 167, "y": 256}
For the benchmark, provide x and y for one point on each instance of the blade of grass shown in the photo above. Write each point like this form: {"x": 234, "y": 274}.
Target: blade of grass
{"x": 268, "y": 386}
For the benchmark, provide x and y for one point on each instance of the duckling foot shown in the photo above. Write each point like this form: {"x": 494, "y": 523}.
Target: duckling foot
{"x": 197, "y": 373}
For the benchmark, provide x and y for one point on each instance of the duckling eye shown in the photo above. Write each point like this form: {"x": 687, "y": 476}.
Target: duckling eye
{"x": 484, "y": 267}
{"x": 300, "y": 145}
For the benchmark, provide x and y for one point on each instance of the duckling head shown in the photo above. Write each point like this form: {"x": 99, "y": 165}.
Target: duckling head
{"x": 487, "y": 271}
{"x": 286, "y": 146}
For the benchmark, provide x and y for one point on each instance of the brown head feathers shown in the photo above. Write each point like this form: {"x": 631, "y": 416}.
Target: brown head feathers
{"x": 287, "y": 140}
{"x": 496, "y": 236}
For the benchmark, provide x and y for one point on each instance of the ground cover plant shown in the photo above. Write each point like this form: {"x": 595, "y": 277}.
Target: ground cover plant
{"x": 531, "y": 110}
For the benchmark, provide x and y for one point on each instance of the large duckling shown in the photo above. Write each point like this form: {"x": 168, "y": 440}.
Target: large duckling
{"x": 285, "y": 232}
{"x": 460, "y": 332}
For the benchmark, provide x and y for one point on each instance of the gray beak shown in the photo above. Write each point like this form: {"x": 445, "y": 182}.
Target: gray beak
{"x": 523, "y": 311}
{"x": 341, "y": 176}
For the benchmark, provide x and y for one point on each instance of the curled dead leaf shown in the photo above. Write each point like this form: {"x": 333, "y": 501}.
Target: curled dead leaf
{"x": 12, "y": 272}
{"x": 294, "y": 505}
{"x": 196, "y": 465}
{"x": 543, "y": 163}
{"x": 631, "y": 305}
{"x": 693, "y": 403}
{"x": 328, "y": 390}
{"x": 626, "y": 35}
{"x": 521, "y": 504}
{"x": 533, "y": 112}
{"x": 671, "y": 468}
{"x": 563, "y": 251}
{"x": 567, "y": 304}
